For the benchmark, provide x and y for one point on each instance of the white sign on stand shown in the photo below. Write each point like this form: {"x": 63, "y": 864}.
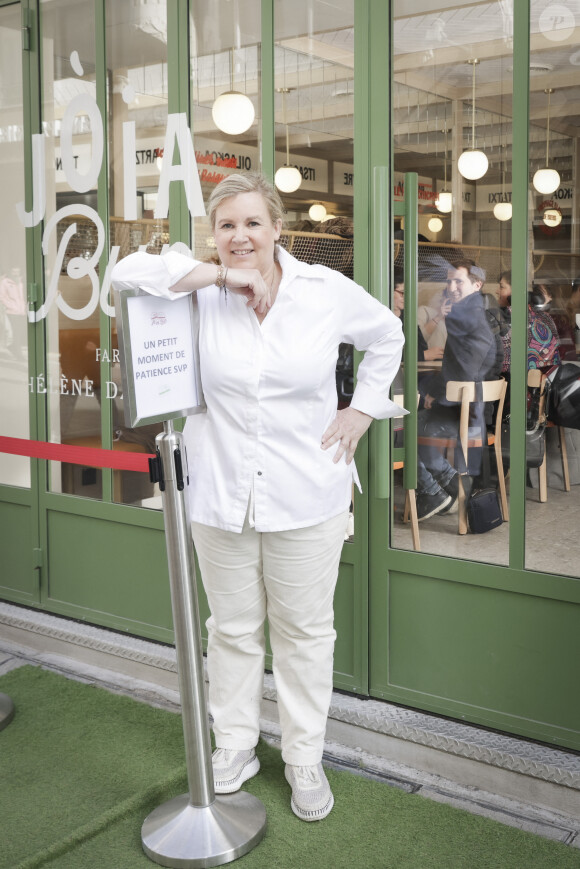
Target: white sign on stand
{"x": 159, "y": 353}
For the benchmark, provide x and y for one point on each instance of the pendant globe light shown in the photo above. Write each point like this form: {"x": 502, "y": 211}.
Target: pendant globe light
{"x": 444, "y": 201}
{"x": 287, "y": 179}
{"x": 502, "y": 210}
{"x": 435, "y": 225}
{"x": 547, "y": 180}
{"x": 473, "y": 164}
{"x": 233, "y": 112}
{"x": 317, "y": 212}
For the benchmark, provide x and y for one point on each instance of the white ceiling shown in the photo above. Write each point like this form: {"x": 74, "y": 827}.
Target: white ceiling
{"x": 314, "y": 58}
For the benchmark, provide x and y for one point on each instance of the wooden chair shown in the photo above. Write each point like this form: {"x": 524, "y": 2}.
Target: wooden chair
{"x": 463, "y": 392}
{"x": 535, "y": 379}
{"x": 410, "y": 511}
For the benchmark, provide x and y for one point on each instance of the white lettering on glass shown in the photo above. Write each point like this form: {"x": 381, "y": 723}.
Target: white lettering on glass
{"x": 82, "y": 104}
{"x": 33, "y": 218}
{"x": 178, "y": 133}
{"x": 108, "y": 309}
{"x": 178, "y": 138}
{"x": 78, "y": 267}
{"x": 129, "y": 171}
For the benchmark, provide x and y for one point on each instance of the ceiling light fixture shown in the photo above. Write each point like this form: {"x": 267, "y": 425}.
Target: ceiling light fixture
{"x": 233, "y": 112}
{"x": 503, "y": 209}
{"x": 435, "y": 224}
{"x": 473, "y": 164}
{"x": 444, "y": 201}
{"x": 547, "y": 180}
{"x": 287, "y": 178}
{"x": 317, "y": 212}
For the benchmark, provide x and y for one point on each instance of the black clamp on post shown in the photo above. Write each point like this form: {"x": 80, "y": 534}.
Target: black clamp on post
{"x": 156, "y": 470}
{"x": 178, "y": 469}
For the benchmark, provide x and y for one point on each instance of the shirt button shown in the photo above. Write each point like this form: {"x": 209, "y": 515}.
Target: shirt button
{"x": 259, "y": 473}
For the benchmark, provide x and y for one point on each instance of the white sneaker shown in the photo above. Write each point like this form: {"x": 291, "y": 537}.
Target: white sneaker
{"x": 232, "y": 768}
{"x": 312, "y": 798}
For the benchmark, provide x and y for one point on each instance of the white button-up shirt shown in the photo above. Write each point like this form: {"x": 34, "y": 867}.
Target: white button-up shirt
{"x": 270, "y": 390}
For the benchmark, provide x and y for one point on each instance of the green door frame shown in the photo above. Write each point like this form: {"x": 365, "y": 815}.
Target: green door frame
{"x": 18, "y": 514}
{"x": 497, "y": 646}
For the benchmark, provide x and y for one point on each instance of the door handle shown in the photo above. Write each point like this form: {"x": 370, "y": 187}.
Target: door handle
{"x": 411, "y": 260}
{"x": 380, "y": 282}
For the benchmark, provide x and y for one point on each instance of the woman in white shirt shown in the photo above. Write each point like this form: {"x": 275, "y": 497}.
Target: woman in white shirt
{"x": 269, "y": 496}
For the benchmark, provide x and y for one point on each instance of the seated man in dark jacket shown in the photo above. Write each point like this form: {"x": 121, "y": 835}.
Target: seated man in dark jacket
{"x": 472, "y": 354}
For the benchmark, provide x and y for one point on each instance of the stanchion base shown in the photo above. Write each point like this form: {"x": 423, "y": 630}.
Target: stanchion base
{"x": 6, "y": 710}
{"x": 177, "y": 834}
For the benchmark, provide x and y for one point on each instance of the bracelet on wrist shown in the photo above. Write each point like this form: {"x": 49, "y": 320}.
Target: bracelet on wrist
{"x": 222, "y": 274}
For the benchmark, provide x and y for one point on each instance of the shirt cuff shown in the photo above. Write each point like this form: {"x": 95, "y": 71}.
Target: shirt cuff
{"x": 177, "y": 266}
{"x": 374, "y": 404}
{"x": 153, "y": 273}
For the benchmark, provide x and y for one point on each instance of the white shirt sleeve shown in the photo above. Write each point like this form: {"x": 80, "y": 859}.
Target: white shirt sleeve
{"x": 372, "y": 327}
{"x": 153, "y": 273}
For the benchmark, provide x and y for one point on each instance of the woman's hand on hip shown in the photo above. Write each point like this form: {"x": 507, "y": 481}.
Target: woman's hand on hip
{"x": 251, "y": 284}
{"x": 348, "y": 427}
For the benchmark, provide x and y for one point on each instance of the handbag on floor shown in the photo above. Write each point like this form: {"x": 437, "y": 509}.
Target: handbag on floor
{"x": 483, "y": 510}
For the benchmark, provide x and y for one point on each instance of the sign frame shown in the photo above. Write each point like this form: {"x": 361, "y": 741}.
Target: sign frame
{"x": 127, "y": 306}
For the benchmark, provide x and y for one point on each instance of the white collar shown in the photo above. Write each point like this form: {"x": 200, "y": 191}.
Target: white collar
{"x": 292, "y": 267}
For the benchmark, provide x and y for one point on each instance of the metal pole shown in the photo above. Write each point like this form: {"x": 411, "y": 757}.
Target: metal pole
{"x": 197, "y": 829}
{"x": 6, "y": 710}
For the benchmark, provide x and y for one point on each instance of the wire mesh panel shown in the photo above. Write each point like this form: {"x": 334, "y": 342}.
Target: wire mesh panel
{"x": 334, "y": 251}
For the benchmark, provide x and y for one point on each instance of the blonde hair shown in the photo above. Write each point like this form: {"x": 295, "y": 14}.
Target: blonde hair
{"x": 252, "y": 182}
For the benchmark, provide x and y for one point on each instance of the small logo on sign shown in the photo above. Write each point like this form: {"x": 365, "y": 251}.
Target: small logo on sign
{"x": 158, "y": 319}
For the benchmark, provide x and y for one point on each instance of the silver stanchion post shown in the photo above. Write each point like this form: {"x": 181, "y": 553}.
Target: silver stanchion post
{"x": 197, "y": 828}
{"x": 6, "y": 710}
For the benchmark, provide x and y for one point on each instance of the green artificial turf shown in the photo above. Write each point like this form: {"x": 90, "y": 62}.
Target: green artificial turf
{"x": 81, "y": 768}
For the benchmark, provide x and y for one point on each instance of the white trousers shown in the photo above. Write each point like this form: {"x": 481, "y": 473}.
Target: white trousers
{"x": 288, "y": 577}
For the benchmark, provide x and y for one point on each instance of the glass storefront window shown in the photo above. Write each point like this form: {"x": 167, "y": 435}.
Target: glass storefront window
{"x": 136, "y": 40}
{"x": 314, "y": 133}
{"x": 82, "y": 378}
{"x": 225, "y": 99}
{"x": 72, "y": 127}
{"x": 452, "y": 101}
{"x": 554, "y": 273}
{"x": 14, "y": 470}
{"x": 314, "y": 128}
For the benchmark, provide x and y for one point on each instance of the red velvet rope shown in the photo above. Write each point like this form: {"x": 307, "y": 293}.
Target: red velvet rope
{"x": 75, "y": 455}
